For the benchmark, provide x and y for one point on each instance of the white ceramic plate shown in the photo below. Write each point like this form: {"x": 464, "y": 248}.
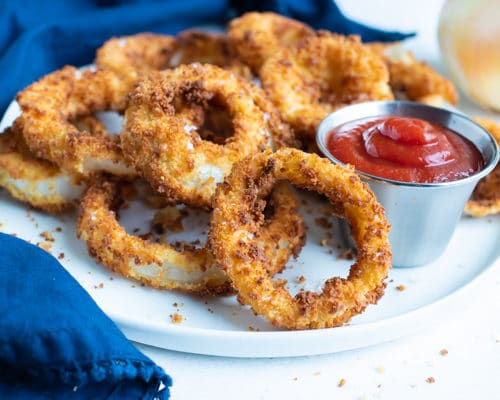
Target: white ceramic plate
{"x": 220, "y": 326}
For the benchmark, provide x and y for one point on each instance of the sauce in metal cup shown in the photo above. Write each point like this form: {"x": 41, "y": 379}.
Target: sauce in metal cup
{"x": 423, "y": 216}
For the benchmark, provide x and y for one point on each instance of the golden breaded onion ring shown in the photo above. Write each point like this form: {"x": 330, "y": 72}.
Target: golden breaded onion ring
{"x": 34, "y": 181}
{"x": 321, "y": 74}
{"x": 242, "y": 194}
{"x": 48, "y": 107}
{"x": 192, "y": 269}
{"x": 131, "y": 57}
{"x": 207, "y": 48}
{"x": 414, "y": 80}
{"x": 168, "y": 151}
{"x": 257, "y": 36}
{"x": 485, "y": 199}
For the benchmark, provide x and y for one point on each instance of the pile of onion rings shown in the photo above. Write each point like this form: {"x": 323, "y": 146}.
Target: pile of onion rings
{"x": 215, "y": 121}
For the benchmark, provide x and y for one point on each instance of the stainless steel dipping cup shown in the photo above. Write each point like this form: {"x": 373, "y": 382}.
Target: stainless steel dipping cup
{"x": 423, "y": 216}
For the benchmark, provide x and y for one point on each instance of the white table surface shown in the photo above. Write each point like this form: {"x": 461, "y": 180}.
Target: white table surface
{"x": 394, "y": 370}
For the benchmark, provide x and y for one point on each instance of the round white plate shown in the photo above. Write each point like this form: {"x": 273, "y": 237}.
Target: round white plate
{"x": 414, "y": 299}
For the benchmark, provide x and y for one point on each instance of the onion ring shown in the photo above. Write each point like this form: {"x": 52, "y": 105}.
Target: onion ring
{"x": 414, "y": 80}
{"x": 238, "y": 204}
{"x": 167, "y": 150}
{"x": 131, "y": 57}
{"x": 50, "y": 105}
{"x": 207, "y": 48}
{"x": 257, "y": 36}
{"x": 485, "y": 199}
{"x": 34, "y": 181}
{"x": 161, "y": 265}
{"x": 323, "y": 73}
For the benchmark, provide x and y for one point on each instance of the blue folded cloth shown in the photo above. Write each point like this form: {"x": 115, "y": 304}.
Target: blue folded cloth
{"x": 55, "y": 342}
{"x": 41, "y": 36}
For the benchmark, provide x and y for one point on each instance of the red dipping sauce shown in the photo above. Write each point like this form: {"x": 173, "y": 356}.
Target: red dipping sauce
{"x": 404, "y": 149}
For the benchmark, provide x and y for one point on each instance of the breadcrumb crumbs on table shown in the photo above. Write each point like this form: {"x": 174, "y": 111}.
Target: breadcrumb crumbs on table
{"x": 176, "y": 318}
{"x": 443, "y": 352}
{"x": 400, "y": 288}
{"x": 430, "y": 379}
{"x": 380, "y": 369}
{"x": 341, "y": 382}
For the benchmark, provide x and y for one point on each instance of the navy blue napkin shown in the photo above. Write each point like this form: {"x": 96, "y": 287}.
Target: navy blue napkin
{"x": 38, "y": 37}
{"x": 55, "y": 342}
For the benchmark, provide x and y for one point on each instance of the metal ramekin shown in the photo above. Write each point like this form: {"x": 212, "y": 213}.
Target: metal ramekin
{"x": 423, "y": 216}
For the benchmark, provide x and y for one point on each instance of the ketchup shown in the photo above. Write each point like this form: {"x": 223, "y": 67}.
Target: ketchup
{"x": 404, "y": 149}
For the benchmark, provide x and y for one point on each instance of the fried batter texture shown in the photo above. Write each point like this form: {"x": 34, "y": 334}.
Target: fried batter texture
{"x": 257, "y": 36}
{"x": 34, "y": 181}
{"x": 131, "y": 57}
{"x": 414, "y": 80}
{"x": 162, "y": 265}
{"x": 322, "y": 73}
{"x": 485, "y": 199}
{"x": 165, "y": 146}
{"x": 48, "y": 107}
{"x": 207, "y": 48}
{"x": 237, "y": 214}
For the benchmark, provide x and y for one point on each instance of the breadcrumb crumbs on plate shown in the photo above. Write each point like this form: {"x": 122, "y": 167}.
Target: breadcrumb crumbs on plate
{"x": 317, "y": 373}
{"x": 45, "y": 245}
{"x": 176, "y": 318}
{"x": 47, "y": 236}
{"x": 443, "y": 352}
{"x": 60, "y": 256}
{"x": 430, "y": 379}
{"x": 252, "y": 329}
{"x": 300, "y": 279}
{"x": 324, "y": 242}
{"x": 341, "y": 382}
{"x": 400, "y": 288}
{"x": 323, "y": 222}
{"x": 347, "y": 255}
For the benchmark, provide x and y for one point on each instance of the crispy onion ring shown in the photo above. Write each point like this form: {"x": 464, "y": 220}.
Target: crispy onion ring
{"x": 130, "y": 57}
{"x": 168, "y": 151}
{"x": 207, "y": 48}
{"x": 191, "y": 270}
{"x": 485, "y": 199}
{"x": 68, "y": 94}
{"x": 323, "y": 73}
{"x": 237, "y": 213}
{"x": 34, "y": 181}
{"x": 414, "y": 80}
{"x": 257, "y": 36}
